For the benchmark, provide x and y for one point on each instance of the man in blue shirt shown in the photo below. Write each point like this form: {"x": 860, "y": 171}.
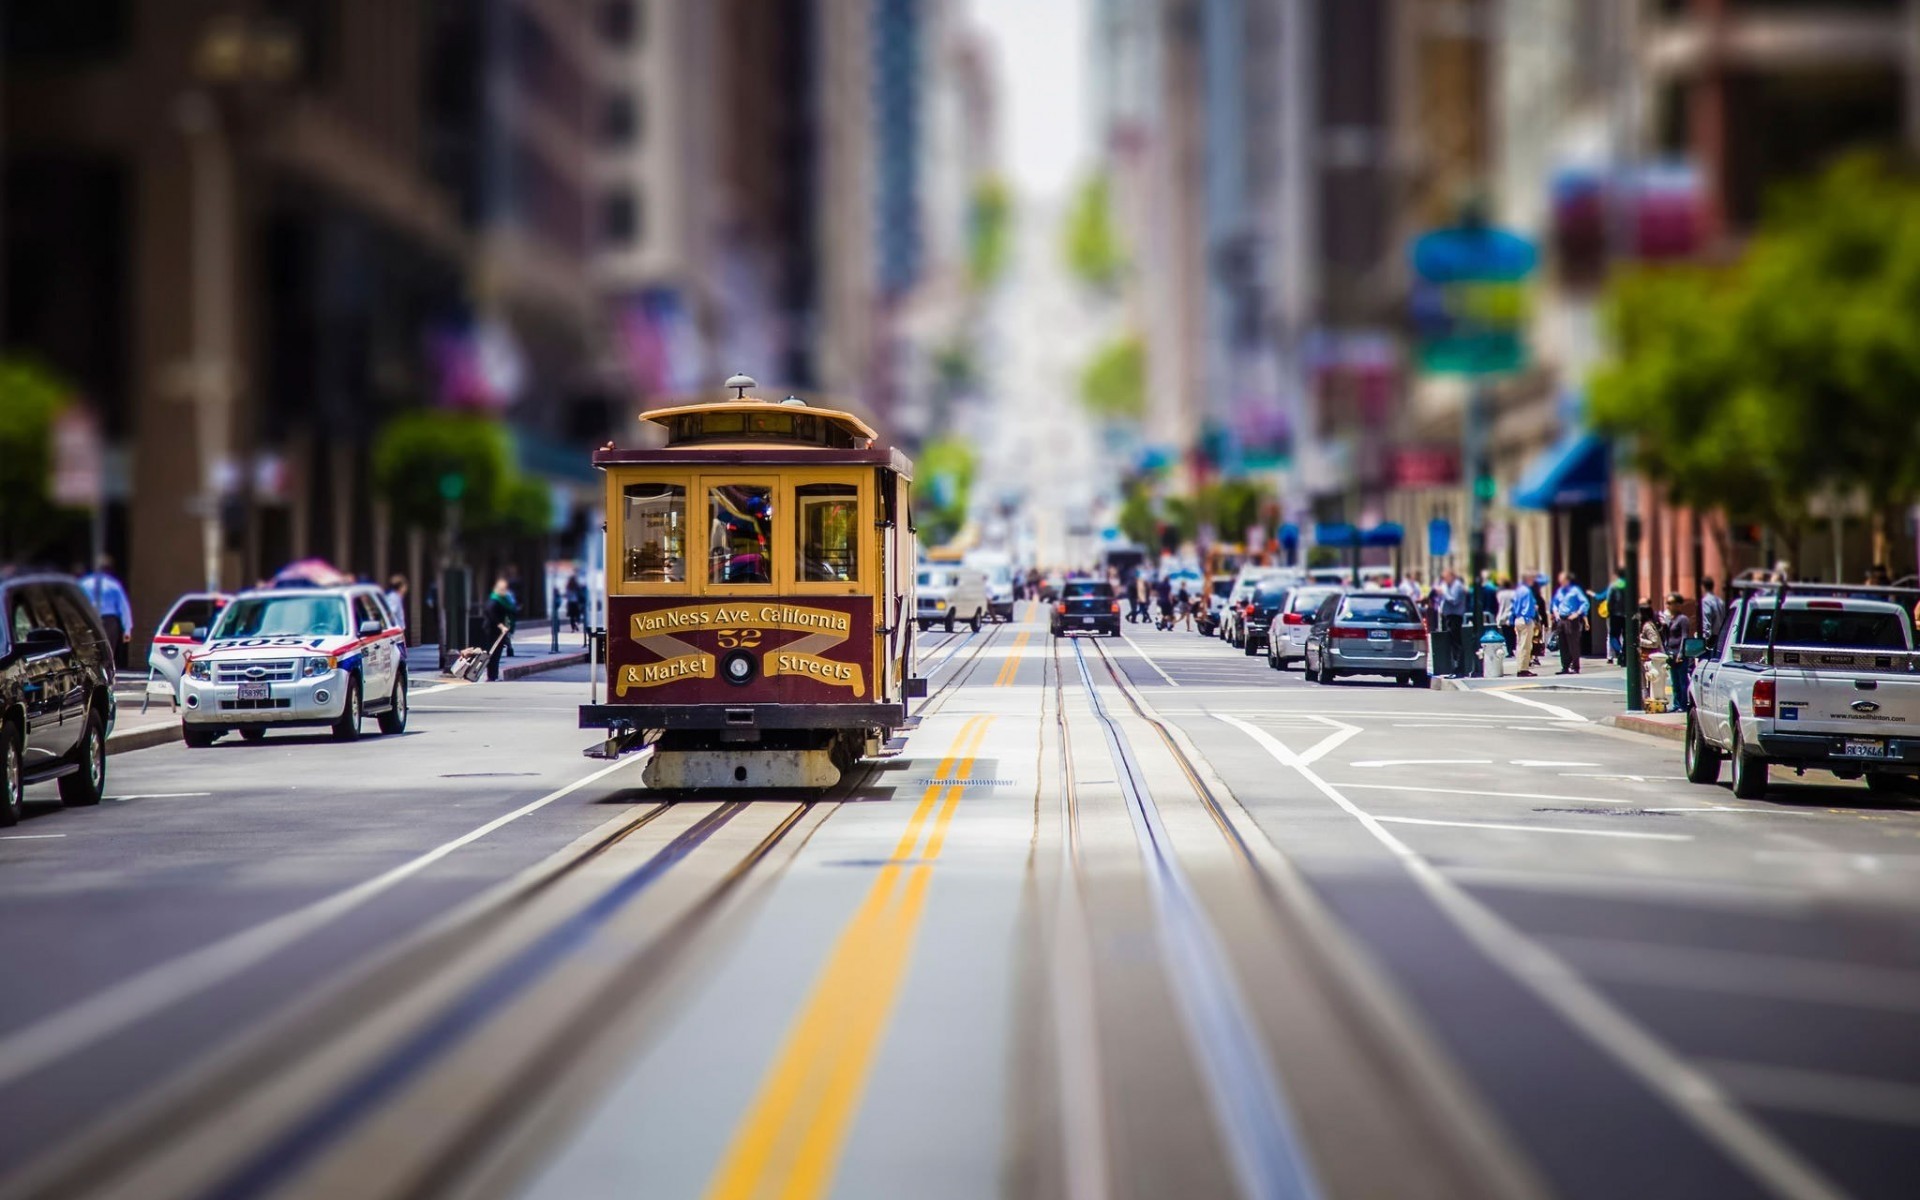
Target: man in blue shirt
{"x": 109, "y": 597}
{"x": 1525, "y": 616}
{"x": 1570, "y": 621}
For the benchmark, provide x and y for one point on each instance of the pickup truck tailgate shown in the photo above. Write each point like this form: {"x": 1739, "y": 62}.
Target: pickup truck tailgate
{"x": 1863, "y": 705}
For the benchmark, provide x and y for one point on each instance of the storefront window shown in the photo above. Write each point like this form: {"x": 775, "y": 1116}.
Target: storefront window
{"x": 828, "y": 520}
{"x": 656, "y": 533}
{"x": 740, "y": 534}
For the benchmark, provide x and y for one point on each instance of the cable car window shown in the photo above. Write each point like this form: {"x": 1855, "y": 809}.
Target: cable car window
{"x": 827, "y": 518}
{"x": 740, "y": 534}
{"x": 655, "y": 524}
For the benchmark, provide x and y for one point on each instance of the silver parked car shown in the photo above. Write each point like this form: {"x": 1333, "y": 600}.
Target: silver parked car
{"x": 1368, "y": 633}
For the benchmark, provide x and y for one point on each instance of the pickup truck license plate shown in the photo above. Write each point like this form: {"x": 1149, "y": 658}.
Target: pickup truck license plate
{"x": 254, "y": 691}
{"x": 1864, "y": 748}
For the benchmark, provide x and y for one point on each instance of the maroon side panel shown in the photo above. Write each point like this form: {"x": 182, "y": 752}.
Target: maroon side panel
{"x": 798, "y": 650}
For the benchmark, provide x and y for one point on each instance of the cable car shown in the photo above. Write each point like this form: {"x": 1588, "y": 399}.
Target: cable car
{"x": 759, "y": 595}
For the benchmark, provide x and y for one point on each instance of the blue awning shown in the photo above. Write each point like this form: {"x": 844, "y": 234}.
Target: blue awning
{"x": 1577, "y": 471}
{"x": 1335, "y": 534}
{"x": 1386, "y": 533}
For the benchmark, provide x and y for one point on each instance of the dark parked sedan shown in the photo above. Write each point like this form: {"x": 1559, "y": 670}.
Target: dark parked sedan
{"x": 1368, "y": 633}
{"x": 56, "y": 692}
{"x": 1086, "y": 606}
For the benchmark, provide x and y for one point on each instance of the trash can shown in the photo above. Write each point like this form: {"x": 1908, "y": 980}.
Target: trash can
{"x": 1493, "y": 653}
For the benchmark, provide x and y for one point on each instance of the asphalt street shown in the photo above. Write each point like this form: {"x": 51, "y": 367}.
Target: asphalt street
{"x": 1129, "y": 917}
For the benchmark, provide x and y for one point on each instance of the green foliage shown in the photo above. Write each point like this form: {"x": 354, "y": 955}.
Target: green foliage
{"x": 1756, "y": 387}
{"x": 1137, "y": 519}
{"x": 1114, "y": 384}
{"x": 1092, "y": 244}
{"x": 31, "y": 525}
{"x": 1231, "y": 505}
{"x": 989, "y": 233}
{"x": 414, "y": 452}
{"x": 944, "y": 473}
{"x": 525, "y": 508}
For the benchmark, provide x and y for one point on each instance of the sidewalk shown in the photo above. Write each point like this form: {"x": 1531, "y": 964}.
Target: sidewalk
{"x": 534, "y": 655}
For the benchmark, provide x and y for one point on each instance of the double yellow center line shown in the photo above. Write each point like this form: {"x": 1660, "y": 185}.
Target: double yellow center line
{"x": 1011, "y": 667}
{"x": 790, "y": 1141}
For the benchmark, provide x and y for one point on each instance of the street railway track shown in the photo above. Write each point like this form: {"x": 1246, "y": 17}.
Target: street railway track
{"x": 134, "y": 1150}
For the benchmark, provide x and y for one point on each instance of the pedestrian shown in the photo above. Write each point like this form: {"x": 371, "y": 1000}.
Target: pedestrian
{"x": 1570, "y": 608}
{"x": 1140, "y": 595}
{"x": 1679, "y": 629}
{"x": 109, "y": 598}
{"x": 1163, "y": 595}
{"x": 1523, "y": 621}
{"x": 1451, "y": 601}
{"x": 512, "y": 591}
{"x": 1503, "y": 614}
{"x": 1616, "y": 616}
{"x": 1183, "y": 608}
{"x": 1713, "y": 611}
{"x": 396, "y": 598}
{"x": 576, "y": 602}
{"x": 500, "y": 615}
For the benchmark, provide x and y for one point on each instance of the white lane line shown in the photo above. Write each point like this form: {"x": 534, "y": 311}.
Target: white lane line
{"x": 1441, "y": 791}
{"x": 1744, "y": 974}
{"x": 1548, "y": 762}
{"x": 1171, "y": 681}
{"x": 155, "y": 796}
{"x": 1850, "y": 1096}
{"x": 139, "y": 996}
{"x": 1634, "y": 778}
{"x": 1421, "y": 762}
{"x": 29, "y": 837}
{"x": 1728, "y": 808}
{"x": 437, "y": 687}
{"x": 1612, "y": 833}
{"x": 1564, "y": 714}
{"x": 1685, "y": 1087}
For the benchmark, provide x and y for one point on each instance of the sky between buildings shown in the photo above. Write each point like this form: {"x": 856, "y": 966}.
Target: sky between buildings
{"x": 1041, "y": 47}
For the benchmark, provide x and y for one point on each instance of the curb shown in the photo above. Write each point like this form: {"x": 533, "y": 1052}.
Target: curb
{"x": 1634, "y": 723}
{"x": 124, "y": 740}
{"x": 523, "y": 670}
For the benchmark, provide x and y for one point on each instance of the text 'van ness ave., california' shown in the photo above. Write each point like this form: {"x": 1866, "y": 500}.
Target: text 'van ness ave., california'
{"x": 733, "y": 616}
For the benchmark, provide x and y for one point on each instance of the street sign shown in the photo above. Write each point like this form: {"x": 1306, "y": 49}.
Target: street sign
{"x": 1470, "y": 302}
{"x": 1439, "y": 537}
{"x": 79, "y": 458}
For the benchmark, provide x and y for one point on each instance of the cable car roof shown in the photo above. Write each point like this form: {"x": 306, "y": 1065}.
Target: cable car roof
{"x": 752, "y": 420}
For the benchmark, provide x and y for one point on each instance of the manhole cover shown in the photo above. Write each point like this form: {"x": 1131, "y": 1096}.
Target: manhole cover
{"x": 1606, "y": 812}
{"x": 924, "y": 782}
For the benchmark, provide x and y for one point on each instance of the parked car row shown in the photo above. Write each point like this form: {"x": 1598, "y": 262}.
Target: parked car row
{"x": 56, "y": 692}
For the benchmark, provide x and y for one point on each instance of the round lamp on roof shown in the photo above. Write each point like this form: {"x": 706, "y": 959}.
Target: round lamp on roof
{"x": 740, "y": 384}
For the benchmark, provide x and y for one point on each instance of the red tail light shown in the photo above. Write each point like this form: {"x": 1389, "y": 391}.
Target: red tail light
{"x": 1763, "y": 698}
{"x": 1347, "y": 631}
{"x": 1060, "y": 607}
{"x": 1293, "y": 618}
{"x": 1413, "y": 633}
{"x": 1116, "y": 606}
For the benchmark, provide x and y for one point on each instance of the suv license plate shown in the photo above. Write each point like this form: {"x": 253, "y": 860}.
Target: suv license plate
{"x": 1088, "y": 620}
{"x": 1864, "y": 748}
{"x": 254, "y": 691}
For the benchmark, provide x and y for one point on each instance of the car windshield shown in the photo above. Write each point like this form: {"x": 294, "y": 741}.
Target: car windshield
{"x": 1222, "y": 587}
{"x": 1828, "y": 627}
{"x": 931, "y": 579}
{"x": 1390, "y": 609}
{"x": 283, "y": 616}
{"x": 1089, "y": 591}
{"x": 1270, "y": 598}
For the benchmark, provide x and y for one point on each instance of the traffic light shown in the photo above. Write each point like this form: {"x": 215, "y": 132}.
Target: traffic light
{"x": 1484, "y": 488}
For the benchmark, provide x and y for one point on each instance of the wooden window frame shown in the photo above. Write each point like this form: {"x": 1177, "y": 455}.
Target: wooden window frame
{"x": 617, "y": 484}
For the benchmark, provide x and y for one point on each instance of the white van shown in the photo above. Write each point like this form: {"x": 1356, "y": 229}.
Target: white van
{"x": 951, "y": 595}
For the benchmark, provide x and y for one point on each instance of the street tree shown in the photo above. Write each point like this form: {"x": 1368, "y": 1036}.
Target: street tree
{"x": 32, "y": 526}
{"x": 1792, "y": 374}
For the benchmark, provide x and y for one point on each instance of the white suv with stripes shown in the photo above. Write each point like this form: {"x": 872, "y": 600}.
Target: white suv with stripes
{"x": 284, "y": 657}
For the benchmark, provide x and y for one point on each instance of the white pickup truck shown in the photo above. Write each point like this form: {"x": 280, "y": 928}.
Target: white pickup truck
{"x": 1825, "y": 680}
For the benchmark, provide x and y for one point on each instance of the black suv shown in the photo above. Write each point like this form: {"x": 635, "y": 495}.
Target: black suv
{"x": 56, "y": 692}
{"x": 1088, "y": 606}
